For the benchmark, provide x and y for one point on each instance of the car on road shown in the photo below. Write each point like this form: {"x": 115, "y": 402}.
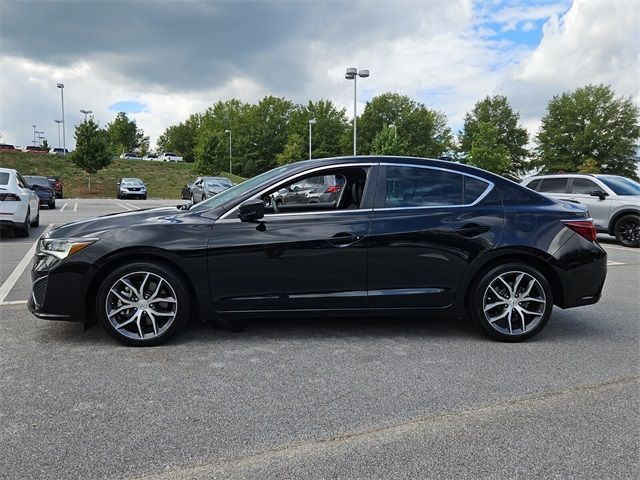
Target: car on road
{"x": 58, "y": 151}
{"x": 613, "y": 201}
{"x": 34, "y": 149}
{"x": 43, "y": 189}
{"x": 57, "y": 186}
{"x": 19, "y": 205}
{"x": 169, "y": 157}
{"x": 131, "y": 188}
{"x": 130, "y": 156}
{"x": 404, "y": 236}
{"x": 185, "y": 194}
{"x": 206, "y": 187}
{"x": 5, "y": 147}
{"x": 313, "y": 190}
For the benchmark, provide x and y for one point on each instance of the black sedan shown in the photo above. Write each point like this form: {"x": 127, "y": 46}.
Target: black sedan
{"x": 405, "y": 236}
{"x": 42, "y": 187}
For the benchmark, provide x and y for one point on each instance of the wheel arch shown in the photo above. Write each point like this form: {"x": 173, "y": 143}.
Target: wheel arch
{"x": 620, "y": 214}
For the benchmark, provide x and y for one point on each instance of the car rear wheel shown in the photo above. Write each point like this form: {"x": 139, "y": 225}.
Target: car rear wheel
{"x": 512, "y": 302}
{"x": 143, "y": 303}
{"x": 36, "y": 221}
{"x": 52, "y": 205}
{"x": 627, "y": 230}
{"x": 24, "y": 229}
{"x": 193, "y": 200}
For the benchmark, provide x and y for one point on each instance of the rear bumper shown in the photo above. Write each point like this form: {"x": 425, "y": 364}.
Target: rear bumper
{"x": 12, "y": 213}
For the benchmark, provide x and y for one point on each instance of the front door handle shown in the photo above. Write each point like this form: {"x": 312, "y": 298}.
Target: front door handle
{"x": 343, "y": 239}
{"x": 472, "y": 230}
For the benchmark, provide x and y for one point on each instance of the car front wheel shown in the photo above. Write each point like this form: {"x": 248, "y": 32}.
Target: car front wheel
{"x": 143, "y": 303}
{"x": 512, "y": 302}
{"x": 627, "y": 230}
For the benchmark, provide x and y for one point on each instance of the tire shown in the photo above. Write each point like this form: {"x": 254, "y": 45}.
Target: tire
{"x": 36, "y": 222}
{"x": 627, "y": 230}
{"x": 193, "y": 200}
{"x": 144, "y": 197}
{"x": 491, "y": 290}
{"x": 135, "y": 320}
{"x": 52, "y": 205}
{"x": 24, "y": 230}
{"x": 203, "y": 198}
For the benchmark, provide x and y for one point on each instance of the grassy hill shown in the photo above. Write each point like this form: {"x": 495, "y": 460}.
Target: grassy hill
{"x": 163, "y": 179}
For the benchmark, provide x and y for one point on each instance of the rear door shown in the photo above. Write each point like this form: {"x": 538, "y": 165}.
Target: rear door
{"x": 428, "y": 225}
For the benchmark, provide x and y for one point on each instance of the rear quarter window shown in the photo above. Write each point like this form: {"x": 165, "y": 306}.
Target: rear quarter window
{"x": 4, "y": 178}
{"x": 553, "y": 185}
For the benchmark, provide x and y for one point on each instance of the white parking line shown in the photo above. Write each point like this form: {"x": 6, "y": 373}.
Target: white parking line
{"x": 63, "y": 207}
{"x": 135, "y": 207}
{"x": 624, "y": 249}
{"x": 13, "y": 278}
{"x": 611, "y": 263}
{"x": 75, "y": 207}
{"x": 124, "y": 206}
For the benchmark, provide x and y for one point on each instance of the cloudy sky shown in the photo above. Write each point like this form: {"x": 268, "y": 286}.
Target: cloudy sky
{"x": 161, "y": 60}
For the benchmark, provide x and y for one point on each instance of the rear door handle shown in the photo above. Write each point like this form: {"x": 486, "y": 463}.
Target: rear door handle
{"x": 343, "y": 239}
{"x": 472, "y": 230}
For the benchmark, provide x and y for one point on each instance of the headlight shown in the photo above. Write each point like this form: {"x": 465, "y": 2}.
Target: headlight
{"x": 63, "y": 247}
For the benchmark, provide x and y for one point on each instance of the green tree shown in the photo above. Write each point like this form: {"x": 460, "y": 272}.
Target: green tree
{"x": 92, "y": 151}
{"x": 497, "y": 111}
{"x": 294, "y": 150}
{"x": 45, "y": 144}
{"x": 142, "y": 143}
{"x": 211, "y": 153}
{"x": 590, "y": 165}
{"x": 123, "y": 134}
{"x": 387, "y": 142}
{"x": 487, "y": 150}
{"x": 589, "y": 123}
{"x": 181, "y": 138}
{"x": 331, "y": 124}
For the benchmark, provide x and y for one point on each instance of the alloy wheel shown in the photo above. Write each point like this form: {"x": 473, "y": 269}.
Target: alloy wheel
{"x": 514, "y": 303}
{"x": 629, "y": 231}
{"x": 141, "y": 305}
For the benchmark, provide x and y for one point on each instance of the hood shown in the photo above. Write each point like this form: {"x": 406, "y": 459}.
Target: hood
{"x": 94, "y": 226}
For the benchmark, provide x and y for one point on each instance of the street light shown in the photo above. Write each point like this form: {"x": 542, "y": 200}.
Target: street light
{"x": 311, "y": 122}
{"x": 34, "y": 135}
{"x": 353, "y": 74}
{"x": 58, "y": 122}
{"x": 395, "y": 130}
{"x": 86, "y": 112}
{"x": 229, "y": 132}
{"x": 64, "y": 139}
{"x": 39, "y": 142}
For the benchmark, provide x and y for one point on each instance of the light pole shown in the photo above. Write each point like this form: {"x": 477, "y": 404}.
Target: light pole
{"x": 353, "y": 74}
{"x": 34, "y": 136}
{"x": 395, "y": 130}
{"x": 39, "y": 141}
{"x": 58, "y": 122}
{"x": 229, "y": 132}
{"x": 311, "y": 122}
{"x": 86, "y": 112}
{"x": 64, "y": 139}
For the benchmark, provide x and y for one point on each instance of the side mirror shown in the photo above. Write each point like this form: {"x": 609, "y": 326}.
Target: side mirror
{"x": 599, "y": 193}
{"x": 251, "y": 210}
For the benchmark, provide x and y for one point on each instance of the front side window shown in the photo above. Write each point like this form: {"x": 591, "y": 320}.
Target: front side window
{"x": 426, "y": 187}
{"x": 582, "y": 186}
{"x": 553, "y": 185}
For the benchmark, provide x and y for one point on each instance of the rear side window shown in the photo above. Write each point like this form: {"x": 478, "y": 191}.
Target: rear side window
{"x": 553, "y": 185}
{"x": 425, "y": 187}
{"x": 4, "y": 178}
{"x": 583, "y": 186}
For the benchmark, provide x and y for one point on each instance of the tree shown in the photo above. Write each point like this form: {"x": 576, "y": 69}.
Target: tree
{"x": 589, "y": 166}
{"x": 92, "y": 151}
{"x": 123, "y": 133}
{"x": 331, "y": 123}
{"x": 142, "y": 143}
{"x": 589, "y": 123}
{"x": 181, "y": 138}
{"x": 294, "y": 150}
{"x": 387, "y": 142}
{"x": 45, "y": 144}
{"x": 211, "y": 153}
{"x": 488, "y": 151}
{"x": 497, "y": 111}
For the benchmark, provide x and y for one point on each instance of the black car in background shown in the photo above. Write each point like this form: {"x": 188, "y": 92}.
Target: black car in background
{"x": 42, "y": 188}
{"x": 403, "y": 236}
{"x": 57, "y": 186}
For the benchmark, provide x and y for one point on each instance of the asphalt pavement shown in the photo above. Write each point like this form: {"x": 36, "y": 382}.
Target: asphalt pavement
{"x": 320, "y": 398}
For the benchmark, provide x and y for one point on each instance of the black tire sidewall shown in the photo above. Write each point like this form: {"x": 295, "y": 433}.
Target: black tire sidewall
{"x": 177, "y": 282}
{"x": 476, "y": 304}
{"x": 616, "y": 230}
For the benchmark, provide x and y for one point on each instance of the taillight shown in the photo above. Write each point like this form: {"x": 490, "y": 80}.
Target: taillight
{"x": 9, "y": 197}
{"x": 584, "y": 228}
{"x": 333, "y": 189}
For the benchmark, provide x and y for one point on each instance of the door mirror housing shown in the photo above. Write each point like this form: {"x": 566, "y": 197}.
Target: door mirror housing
{"x": 251, "y": 210}
{"x": 599, "y": 193}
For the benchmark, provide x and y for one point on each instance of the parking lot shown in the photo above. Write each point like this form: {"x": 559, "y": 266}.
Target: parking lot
{"x": 323, "y": 398}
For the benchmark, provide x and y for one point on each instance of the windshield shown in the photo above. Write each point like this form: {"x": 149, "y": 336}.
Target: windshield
{"x": 213, "y": 185}
{"x": 621, "y": 185}
{"x": 131, "y": 181}
{"x": 240, "y": 189}
{"x": 37, "y": 181}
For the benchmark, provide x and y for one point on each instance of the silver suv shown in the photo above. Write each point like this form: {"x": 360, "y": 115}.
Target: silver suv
{"x": 613, "y": 201}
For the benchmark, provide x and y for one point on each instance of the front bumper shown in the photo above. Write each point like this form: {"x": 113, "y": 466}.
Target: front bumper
{"x": 133, "y": 193}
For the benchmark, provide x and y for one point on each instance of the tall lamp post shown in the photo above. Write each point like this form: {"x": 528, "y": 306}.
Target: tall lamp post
{"x": 40, "y": 137}
{"x": 64, "y": 139}
{"x": 34, "y": 135}
{"x": 86, "y": 112}
{"x": 58, "y": 122}
{"x": 311, "y": 122}
{"x": 229, "y": 132}
{"x": 395, "y": 130}
{"x": 353, "y": 74}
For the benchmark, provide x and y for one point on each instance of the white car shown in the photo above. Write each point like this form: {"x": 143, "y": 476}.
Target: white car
{"x": 19, "y": 205}
{"x": 613, "y": 201}
{"x": 58, "y": 151}
{"x": 168, "y": 157}
{"x": 130, "y": 156}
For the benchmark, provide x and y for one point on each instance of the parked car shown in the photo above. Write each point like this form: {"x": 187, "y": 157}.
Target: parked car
{"x": 130, "y": 156}
{"x": 5, "y": 147}
{"x": 612, "y": 200}
{"x": 406, "y": 236}
{"x": 169, "y": 157}
{"x": 131, "y": 187}
{"x": 185, "y": 194}
{"x": 207, "y": 187}
{"x": 34, "y": 149}
{"x": 58, "y": 151}
{"x": 57, "y": 186}
{"x": 312, "y": 190}
{"x": 43, "y": 189}
{"x": 19, "y": 205}
{"x": 150, "y": 156}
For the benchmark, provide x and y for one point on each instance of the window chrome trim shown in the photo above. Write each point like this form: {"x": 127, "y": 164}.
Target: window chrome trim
{"x": 292, "y": 178}
{"x": 490, "y": 186}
